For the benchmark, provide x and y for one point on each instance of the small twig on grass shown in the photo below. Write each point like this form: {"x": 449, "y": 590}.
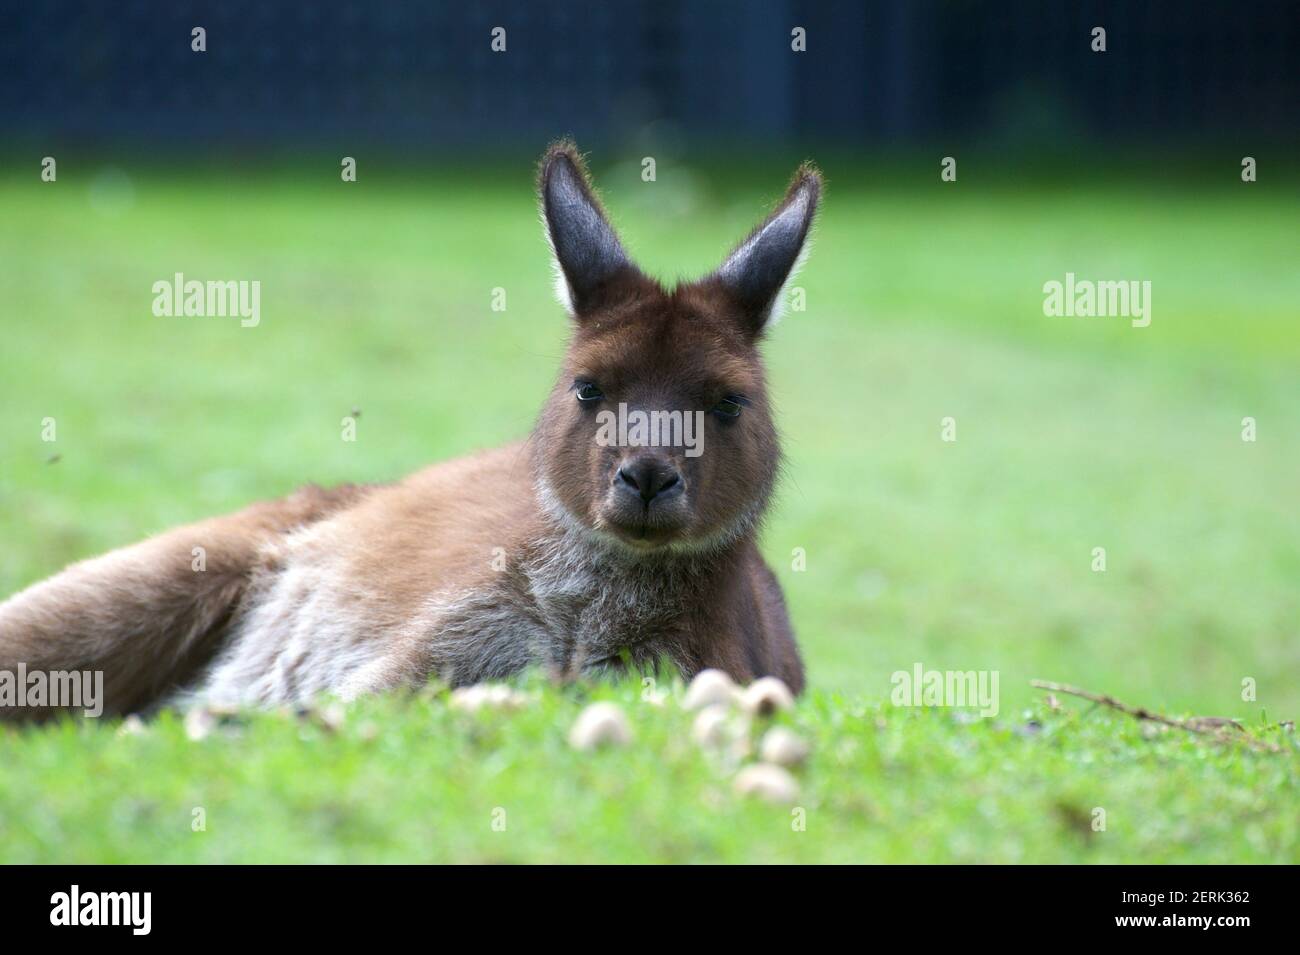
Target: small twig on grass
{"x": 1201, "y": 725}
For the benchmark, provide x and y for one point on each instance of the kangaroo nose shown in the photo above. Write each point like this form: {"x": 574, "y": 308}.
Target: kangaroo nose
{"x": 649, "y": 477}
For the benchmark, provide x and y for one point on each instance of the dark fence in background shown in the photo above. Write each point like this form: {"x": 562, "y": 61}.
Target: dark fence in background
{"x": 423, "y": 73}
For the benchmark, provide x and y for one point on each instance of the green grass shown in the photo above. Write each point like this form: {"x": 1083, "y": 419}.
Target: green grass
{"x": 409, "y": 779}
{"x": 924, "y": 301}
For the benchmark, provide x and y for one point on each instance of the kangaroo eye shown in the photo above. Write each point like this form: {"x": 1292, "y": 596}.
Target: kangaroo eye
{"x": 729, "y": 407}
{"x": 587, "y": 393}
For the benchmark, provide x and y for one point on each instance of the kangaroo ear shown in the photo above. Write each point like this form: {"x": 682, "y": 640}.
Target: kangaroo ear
{"x": 755, "y": 274}
{"x": 587, "y": 252}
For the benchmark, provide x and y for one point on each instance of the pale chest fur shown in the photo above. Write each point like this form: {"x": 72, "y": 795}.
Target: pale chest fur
{"x": 557, "y": 604}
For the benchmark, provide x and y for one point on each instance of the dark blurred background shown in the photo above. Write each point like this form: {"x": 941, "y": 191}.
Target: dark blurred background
{"x": 422, "y": 74}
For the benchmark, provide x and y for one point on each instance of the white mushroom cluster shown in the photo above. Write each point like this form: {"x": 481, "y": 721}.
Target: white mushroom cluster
{"x": 727, "y": 718}
{"x": 732, "y": 723}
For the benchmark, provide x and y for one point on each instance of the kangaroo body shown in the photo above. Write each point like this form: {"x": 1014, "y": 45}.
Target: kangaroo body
{"x": 559, "y": 552}
{"x": 358, "y": 590}
{"x": 487, "y": 585}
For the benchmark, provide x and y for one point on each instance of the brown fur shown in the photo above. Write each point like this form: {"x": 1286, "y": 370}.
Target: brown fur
{"x": 529, "y": 554}
{"x": 141, "y": 614}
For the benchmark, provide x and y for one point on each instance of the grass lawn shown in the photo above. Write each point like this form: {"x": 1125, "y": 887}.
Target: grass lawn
{"x": 412, "y": 780}
{"x": 924, "y": 301}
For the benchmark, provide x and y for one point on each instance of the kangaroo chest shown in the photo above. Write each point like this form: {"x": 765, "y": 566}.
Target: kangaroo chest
{"x": 565, "y": 613}
{"x": 307, "y": 631}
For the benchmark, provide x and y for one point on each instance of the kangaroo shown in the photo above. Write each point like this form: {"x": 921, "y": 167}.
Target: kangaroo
{"x": 572, "y": 551}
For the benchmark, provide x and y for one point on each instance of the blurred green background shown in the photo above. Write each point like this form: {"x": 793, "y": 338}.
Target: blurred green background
{"x": 924, "y": 300}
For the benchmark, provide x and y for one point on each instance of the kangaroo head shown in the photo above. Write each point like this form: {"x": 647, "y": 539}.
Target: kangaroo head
{"x": 658, "y": 434}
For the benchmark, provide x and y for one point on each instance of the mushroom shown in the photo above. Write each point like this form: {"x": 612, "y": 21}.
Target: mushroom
{"x": 782, "y": 747}
{"x": 600, "y": 724}
{"x": 708, "y": 688}
{"x": 769, "y": 783}
{"x": 766, "y": 696}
